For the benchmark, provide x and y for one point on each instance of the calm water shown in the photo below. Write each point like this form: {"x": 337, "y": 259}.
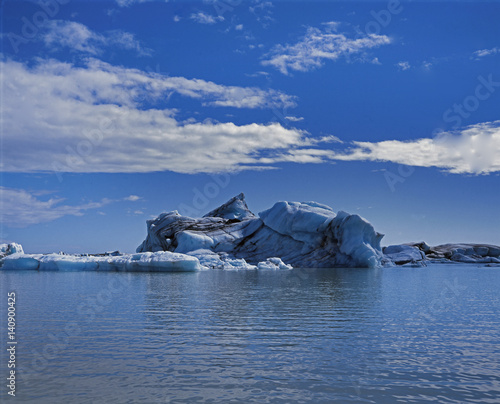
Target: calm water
{"x": 320, "y": 336}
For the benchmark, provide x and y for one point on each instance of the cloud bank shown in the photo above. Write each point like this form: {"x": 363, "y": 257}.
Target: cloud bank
{"x": 473, "y": 150}
{"x": 63, "y": 118}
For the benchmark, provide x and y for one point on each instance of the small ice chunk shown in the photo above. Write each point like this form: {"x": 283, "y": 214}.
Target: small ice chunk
{"x": 403, "y": 254}
{"x": 273, "y": 263}
{"x": 10, "y": 248}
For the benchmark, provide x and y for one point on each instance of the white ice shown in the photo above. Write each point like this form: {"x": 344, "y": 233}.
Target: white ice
{"x": 148, "y": 262}
{"x": 403, "y": 254}
{"x": 11, "y": 248}
{"x": 164, "y": 261}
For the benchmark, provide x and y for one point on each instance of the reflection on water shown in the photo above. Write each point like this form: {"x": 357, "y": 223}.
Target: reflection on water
{"x": 338, "y": 335}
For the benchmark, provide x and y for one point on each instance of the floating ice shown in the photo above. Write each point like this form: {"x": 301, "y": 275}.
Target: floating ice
{"x": 146, "y": 262}
{"x": 467, "y": 253}
{"x": 403, "y": 254}
{"x": 231, "y": 237}
{"x": 161, "y": 261}
{"x": 11, "y": 248}
{"x": 305, "y": 234}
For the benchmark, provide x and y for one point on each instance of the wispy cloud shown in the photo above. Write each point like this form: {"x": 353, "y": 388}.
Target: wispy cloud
{"x": 473, "y": 150}
{"x": 320, "y": 44}
{"x": 262, "y": 10}
{"x": 485, "y": 52}
{"x": 101, "y": 82}
{"x": 78, "y": 37}
{"x": 203, "y": 18}
{"x": 294, "y": 118}
{"x": 403, "y": 66}
{"x": 22, "y": 208}
{"x": 128, "y": 3}
{"x": 132, "y": 198}
{"x": 93, "y": 120}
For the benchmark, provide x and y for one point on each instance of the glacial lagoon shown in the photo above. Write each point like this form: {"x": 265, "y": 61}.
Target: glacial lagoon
{"x": 386, "y": 335}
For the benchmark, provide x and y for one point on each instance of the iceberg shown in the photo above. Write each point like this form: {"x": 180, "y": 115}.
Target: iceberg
{"x": 231, "y": 237}
{"x": 161, "y": 261}
{"x": 11, "y": 248}
{"x": 461, "y": 252}
{"x": 211, "y": 260}
{"x": 144, "y": 262}
{"x": 301, "y": 234}
{"x": 403, "y": 254}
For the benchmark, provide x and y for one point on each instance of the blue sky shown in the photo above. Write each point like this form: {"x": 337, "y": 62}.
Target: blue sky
{"x": 117, "y": 111}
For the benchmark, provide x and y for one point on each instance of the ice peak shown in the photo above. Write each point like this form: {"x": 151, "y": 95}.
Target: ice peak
{"x": 235, "y": 208}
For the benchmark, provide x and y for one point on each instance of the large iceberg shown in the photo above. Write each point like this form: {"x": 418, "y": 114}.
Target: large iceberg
{"x": 305, "y": 234}
{"x": 231, "y": 237}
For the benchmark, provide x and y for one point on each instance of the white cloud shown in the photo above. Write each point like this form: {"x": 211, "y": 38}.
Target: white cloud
{"x": 485, "y": 52}
{"x": 61, "y": 118}
{"x": 294, "y": 118}
{"x": 176, "y": 18}
{"x": 202, "y": 18}
{"x": 21, "y": 208}
{"x": 426, "y": 65}
{"x": 257, "y": 74}
{"x": 128, "y": 3}
{"x": 474, "y": 150}
{"x": 132, "y": 198}
{"x": 262, "y": 10}
{"x": 238, "y": 27}
{"x": 403, "y": 65}
{"x": 78, "y": 37}
{"x": 103, "y": 83}
{"x": 318, "y": 45}
{"x": 325, "y": 139}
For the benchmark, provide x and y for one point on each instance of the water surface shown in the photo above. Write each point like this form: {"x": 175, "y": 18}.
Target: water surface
{"x": 393, "y": 335}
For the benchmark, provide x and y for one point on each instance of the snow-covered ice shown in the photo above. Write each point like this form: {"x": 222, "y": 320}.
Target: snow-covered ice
{"x": 11, "y": 248}
{"x": 147, "y": 262}
{"x": 160, "y": 261}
